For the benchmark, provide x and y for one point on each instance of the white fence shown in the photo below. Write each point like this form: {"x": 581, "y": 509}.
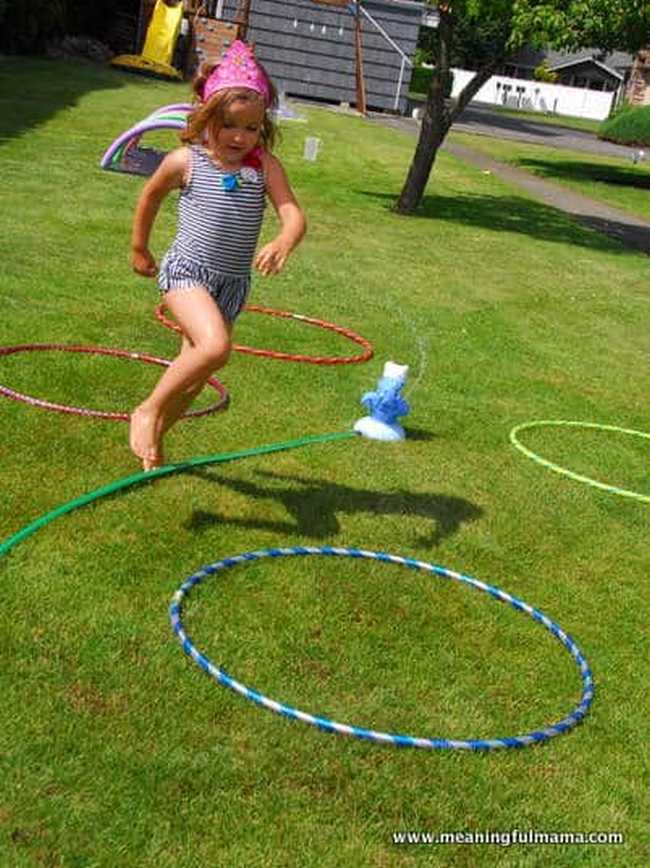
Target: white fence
{"x": 538, "y": 96}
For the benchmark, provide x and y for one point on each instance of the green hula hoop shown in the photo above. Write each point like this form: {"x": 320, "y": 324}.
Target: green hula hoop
{"x": 146, "y": 477}
{"x": 612, "y": 489}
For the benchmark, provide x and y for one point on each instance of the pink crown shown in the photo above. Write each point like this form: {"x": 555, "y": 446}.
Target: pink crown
{"x": 238, "y": 68}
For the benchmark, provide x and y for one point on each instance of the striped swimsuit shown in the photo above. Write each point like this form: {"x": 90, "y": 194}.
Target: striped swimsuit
{"x": 219, "y": 222}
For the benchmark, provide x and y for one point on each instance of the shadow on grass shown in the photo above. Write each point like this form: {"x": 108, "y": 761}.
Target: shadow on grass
{"x": 572, "y": 170}
{"x": 419, "y": 434}
{"x": 511, "y": 214}
{"x": 501, "y": 121}
{"x": 32, "y": 90}
{"x": 314, "y": 506}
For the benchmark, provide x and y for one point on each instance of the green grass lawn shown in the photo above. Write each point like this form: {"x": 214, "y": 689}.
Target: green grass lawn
{"x": 115, "y": 749}
{"x": 615, "y": 181}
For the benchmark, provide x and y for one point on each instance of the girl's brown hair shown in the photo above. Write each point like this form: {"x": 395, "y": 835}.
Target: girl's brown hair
{"x": 209, "y": 117}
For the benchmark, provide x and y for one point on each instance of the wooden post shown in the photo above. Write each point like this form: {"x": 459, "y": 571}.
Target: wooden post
{"x": 358, "y": 45}
{"x": 242, "y": 18}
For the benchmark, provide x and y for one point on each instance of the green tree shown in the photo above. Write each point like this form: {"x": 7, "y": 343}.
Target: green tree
{"x": 473, "y": 41}
{"x": 511, "y": 24}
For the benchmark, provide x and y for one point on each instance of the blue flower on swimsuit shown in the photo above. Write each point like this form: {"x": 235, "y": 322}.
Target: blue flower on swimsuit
{"x": 230, "y": 182}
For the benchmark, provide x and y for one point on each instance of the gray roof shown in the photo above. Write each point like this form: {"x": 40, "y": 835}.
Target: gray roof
{"x": 616, "y": 61}
{"x": 567, "y": 64}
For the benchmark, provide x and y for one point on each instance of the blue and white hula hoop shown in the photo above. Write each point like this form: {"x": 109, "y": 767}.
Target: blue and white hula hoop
{"x": 395, "y": 739}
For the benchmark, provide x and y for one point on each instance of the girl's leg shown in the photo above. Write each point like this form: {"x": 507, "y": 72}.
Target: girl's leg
{"x": 175, "y": 409}
{"x": 205, "y": 349}
{"x": 183, "y": 401}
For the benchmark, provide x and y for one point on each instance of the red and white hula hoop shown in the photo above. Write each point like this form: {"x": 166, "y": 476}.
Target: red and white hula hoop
{"x": 221, "y": 390}
{"x": 291, "y": 357}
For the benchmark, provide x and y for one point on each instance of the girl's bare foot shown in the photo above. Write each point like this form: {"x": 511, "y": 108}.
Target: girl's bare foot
{"x": 152, "y": 464}
{"x": 144, "y": 438}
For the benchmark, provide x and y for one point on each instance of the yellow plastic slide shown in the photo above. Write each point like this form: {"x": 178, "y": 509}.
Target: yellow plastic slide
{"x": 159, "y": 43}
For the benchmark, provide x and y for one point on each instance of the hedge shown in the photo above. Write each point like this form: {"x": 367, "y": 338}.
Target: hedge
{"x": 630, "y": 126}
{"x": 421, "y": 81}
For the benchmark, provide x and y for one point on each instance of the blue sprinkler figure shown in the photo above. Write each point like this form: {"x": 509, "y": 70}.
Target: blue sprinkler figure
{"x": 385, "y": 405}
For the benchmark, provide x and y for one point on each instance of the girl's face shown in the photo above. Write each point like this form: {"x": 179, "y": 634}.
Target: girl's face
{"x": 240, "y": 132}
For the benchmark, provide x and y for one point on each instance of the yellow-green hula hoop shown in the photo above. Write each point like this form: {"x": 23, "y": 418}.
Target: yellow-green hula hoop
{"x": 612, "y": 489}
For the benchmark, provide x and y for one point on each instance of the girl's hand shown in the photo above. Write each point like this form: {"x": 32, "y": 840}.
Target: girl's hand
{"x": 272, "y": 257}
{"x": 143, "y": 263}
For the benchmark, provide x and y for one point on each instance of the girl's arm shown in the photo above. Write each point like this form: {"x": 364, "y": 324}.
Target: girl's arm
{"x": 170, "y": 174}
{"x": 272, "y": 257}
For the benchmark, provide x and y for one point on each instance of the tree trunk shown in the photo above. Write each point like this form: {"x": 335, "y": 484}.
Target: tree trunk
{"x": 432, "y": 135}
{"x": 438, "y": 118}
{"x": 435, "y": 124}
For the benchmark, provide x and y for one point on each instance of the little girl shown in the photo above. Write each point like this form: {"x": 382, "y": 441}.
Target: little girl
{"x": 224, "y": 174}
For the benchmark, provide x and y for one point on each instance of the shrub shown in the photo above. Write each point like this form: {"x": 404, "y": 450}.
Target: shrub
{"x": 27, "y": 25}
{"x": 543, "y": 72}
{"x": 421, "y": 57}
{"x": 421, "y": 81}
{"x": 630, "y": 126}
{"x": 96, "y": 18}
